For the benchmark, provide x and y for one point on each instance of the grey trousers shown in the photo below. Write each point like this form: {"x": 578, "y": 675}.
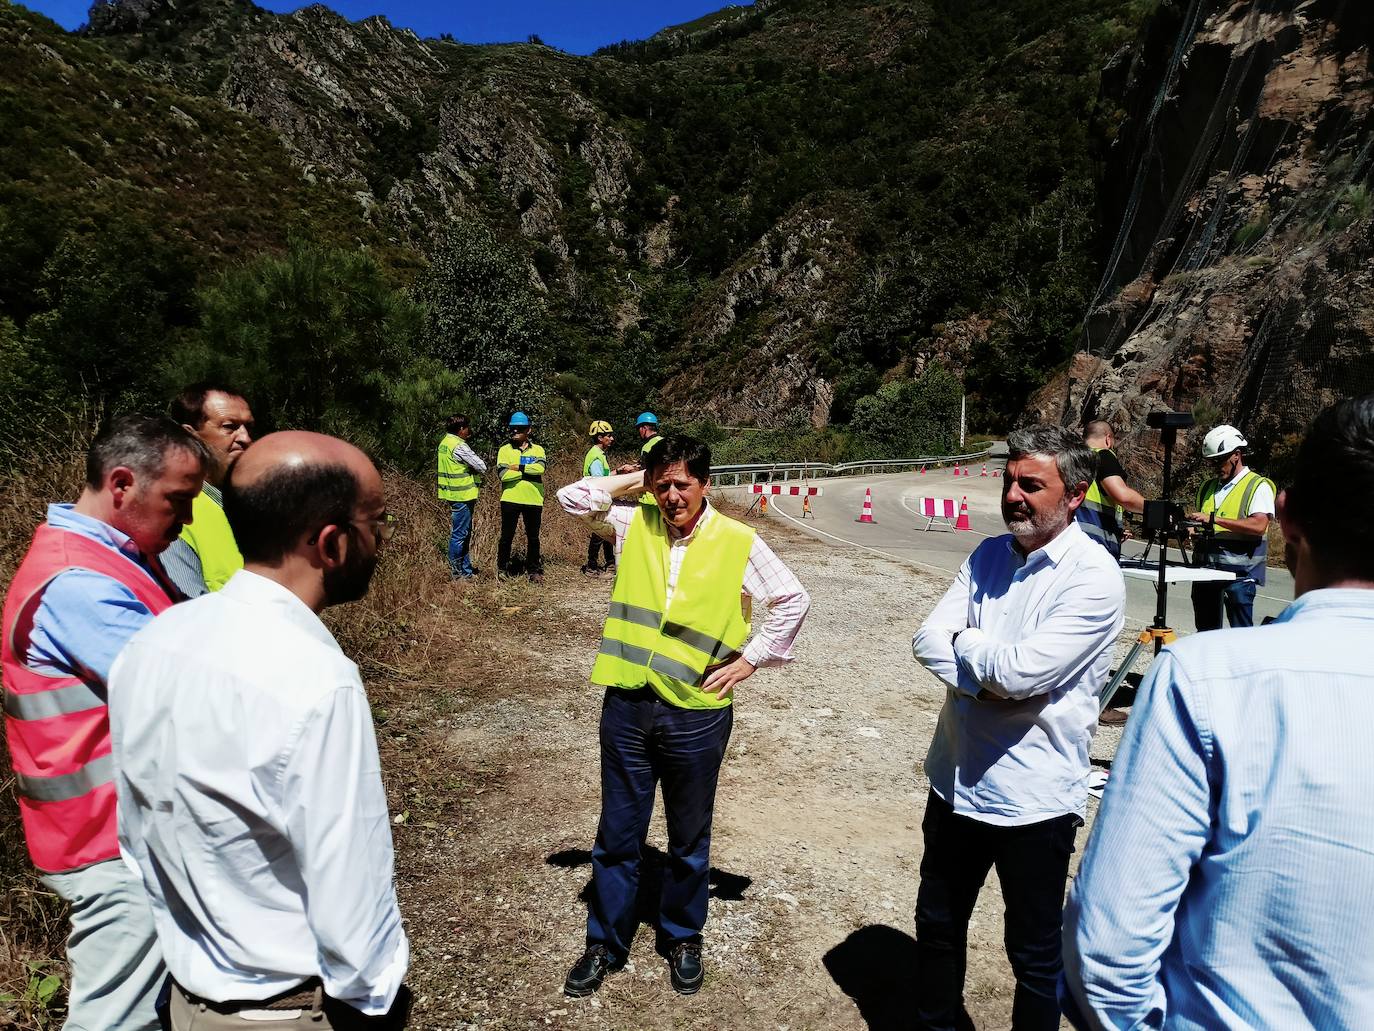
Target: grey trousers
{"x": 324, "y": 1015}
{"x": 116, "y": 966}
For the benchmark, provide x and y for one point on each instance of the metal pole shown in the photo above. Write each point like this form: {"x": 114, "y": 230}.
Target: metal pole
{"x": 963, "y": 418}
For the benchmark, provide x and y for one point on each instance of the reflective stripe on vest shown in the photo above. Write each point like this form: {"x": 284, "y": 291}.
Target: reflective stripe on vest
{"x": 456, "y": 481}
{"x": 212, "y": 539}
{"x": 703, "y": 627}
{"x": 1099, "y": 517}
{"x": 594, "y": 454}
{"x": 647, "y": 498}
{"x": 1241, "y": 553}
{"x": 58, "y": 727}
{"x": 527, "y": 486}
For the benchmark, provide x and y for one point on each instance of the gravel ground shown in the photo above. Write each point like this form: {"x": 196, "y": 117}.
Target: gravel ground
{"x": 817, "y": 833}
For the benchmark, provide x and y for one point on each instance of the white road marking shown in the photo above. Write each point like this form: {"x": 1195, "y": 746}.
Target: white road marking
{"x": 864, "y": 547}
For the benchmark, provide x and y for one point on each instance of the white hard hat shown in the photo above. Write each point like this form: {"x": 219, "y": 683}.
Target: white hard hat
{"x": 1221, "y": 440}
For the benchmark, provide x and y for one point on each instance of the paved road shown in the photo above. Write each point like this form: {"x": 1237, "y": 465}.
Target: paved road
{"x": 897, "y": 532}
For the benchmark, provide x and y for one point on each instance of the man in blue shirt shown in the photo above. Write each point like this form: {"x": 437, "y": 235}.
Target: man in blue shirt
{"x": 1229, "y": 879}
{"x": 91, "y": 579}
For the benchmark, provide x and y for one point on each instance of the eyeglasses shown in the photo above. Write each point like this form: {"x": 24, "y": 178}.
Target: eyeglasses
{"x": 384, "y": 526}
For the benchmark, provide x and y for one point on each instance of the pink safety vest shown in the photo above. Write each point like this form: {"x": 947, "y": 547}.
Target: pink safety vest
{"x": 57, "y": 726}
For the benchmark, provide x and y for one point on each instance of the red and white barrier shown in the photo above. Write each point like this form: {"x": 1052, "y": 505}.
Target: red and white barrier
{"x": 938, "y": 511}
{"x": 792, "y": 491}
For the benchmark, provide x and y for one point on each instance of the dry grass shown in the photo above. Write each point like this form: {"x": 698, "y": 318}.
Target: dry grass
{"x": 424, "y": 643}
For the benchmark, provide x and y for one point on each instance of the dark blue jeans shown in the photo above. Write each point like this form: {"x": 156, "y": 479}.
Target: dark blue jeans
{"x": 1032, "y": 863}
{"x": 1238, "y": 598}
{"x": 460, "y": 537}
{"x": 644, "y": 740}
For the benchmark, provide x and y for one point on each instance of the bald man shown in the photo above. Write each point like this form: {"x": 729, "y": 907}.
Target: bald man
{"x": 250, "y": 791}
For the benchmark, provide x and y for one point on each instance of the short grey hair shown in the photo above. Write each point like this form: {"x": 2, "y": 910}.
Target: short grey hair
{"x": 1075, "y": 460}
{"x": 141, "y": 443}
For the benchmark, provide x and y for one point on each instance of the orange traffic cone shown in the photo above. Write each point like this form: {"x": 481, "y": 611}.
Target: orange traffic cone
{"x": 956, "y": 468}
{"x": 996, "y": 473}
{"x": 963, "y": 523}
{"x": 763, "y": 504}
{"x": 985, "y": 469}
{"x": 866, "y": 516}
{"x": 923, "y": 470}
{"x": 966, "y": 471}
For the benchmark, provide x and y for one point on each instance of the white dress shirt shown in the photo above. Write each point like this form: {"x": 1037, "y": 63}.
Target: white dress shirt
{"x": 251, "y": 801}
{"x": 766, "y": 579}
{"x": 1035, "y": 637}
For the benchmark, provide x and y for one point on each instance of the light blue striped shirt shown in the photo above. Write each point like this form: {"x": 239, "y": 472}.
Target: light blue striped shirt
{"x": 1229, "y": 881}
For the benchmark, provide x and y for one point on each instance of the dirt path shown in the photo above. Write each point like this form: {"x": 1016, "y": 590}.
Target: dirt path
{"x": 817, "y": 834}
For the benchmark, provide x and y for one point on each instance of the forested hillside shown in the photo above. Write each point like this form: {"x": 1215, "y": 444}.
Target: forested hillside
{"x": 783, "y": 215}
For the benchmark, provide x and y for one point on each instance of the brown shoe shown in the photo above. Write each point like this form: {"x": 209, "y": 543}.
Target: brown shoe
{"x": 1114, "y": 717}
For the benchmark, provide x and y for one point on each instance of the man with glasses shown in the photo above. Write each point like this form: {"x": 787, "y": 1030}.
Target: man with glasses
{"x": 250, "y": 790}
{"x": 1235, "y": 506}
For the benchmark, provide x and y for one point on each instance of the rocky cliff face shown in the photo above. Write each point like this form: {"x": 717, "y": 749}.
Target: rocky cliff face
{"x": 1236, "y": 200}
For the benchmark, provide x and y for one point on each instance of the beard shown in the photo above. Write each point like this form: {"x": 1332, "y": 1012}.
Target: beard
{"x": 1024, "y": 523}
{"x": 350, "y": 581}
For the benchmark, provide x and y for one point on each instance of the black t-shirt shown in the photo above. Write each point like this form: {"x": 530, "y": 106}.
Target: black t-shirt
{"x": 1108, "y": 465}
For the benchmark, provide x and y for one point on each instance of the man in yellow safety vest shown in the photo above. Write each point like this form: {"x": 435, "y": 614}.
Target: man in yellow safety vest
{"x": 205, "y": 556}
{"x": 1100, "y": 515}
{"x": 597, "y": 464}
{"x": 673, "y": 649}
{"x": 522, "y": 463}
{"x": 1236, "y": 504}
{"x": 459, "y": 477}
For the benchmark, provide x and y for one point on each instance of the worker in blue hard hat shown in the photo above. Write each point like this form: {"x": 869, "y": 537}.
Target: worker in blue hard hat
{"x": 647, "y": 426}
{"x": 521, "y": 463}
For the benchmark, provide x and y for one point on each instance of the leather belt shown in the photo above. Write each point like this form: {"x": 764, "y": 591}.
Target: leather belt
{"x": 308, "y": 995}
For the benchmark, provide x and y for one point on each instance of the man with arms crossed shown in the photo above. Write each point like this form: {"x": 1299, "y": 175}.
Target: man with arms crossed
{"x": 1228, "y": 880}
{"x": 675, "y": 646}
{"x": 250, "y": 793}
{"x": 1022, "y": 641}
{"x": 90, "y": 581}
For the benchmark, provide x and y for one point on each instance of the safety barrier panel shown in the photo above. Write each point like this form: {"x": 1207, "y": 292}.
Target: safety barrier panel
{"x": 769, "y": 472}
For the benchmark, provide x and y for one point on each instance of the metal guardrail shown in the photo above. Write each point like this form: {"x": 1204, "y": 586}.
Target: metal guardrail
{"x": 774, "y": 472}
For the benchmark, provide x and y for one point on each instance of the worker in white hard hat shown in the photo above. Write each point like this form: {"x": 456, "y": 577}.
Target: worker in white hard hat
{"x": 1236, "y": 505}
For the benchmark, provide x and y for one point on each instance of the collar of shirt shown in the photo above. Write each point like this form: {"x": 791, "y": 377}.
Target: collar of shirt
{"x": 65, "y": 517}
{"x": 1357, "y": 602}
{"x": 686, "y": 538}
{"x": 253, "y": 589}
{"x": 1050, "y": 552}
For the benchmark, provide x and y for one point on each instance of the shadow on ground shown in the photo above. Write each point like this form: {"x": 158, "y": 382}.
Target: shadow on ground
{"x": 723, "y": 884}
{"x": 876, "y": 966}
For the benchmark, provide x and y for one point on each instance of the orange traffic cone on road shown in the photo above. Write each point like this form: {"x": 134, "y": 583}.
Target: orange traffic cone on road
{"x": 923, "y": 470}
{"x": 956, "y": 468}
{"x": 966, "y": 471}
{"x": 963, "y": 523}
{"x": 866, "y": 516}
{"x": 985, "y": 469}
{"x": 763, "y": 504}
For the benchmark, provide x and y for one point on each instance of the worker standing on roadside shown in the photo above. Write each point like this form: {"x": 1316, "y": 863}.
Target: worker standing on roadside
{"x": 460, "y": 476}
{"x": 597, "y": 464}
{"x": 522, "y": 465}
{"x": 205, "y": 556}
{"x": 90, "y": 581}
{"x": 674, "y": 647}
{"x": 647, "y": 427}
{"x": 1236, "y": 503}
{"x": 1022, "y": 643}
{"x": 1100, "y": 515}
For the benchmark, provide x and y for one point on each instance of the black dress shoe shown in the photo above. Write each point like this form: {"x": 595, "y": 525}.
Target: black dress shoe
{"x": 588, "y": 972}
{"x": 685, "y": 969}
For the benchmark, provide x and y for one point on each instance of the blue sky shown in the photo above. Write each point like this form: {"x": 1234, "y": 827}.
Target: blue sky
{"x": 579, "y": 26}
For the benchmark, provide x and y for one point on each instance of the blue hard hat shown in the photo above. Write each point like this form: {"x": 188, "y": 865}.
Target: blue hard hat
{"x": 647, "y": 419}
{"x": 519, "y": 419}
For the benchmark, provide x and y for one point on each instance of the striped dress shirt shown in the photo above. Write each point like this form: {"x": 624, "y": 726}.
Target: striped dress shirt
{"x": 1229, "y": 881}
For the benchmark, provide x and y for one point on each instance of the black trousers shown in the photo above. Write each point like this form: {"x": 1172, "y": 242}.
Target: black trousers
{"x": 597, "y": 546}
{"x": 511, "y": 513}
{"x": 1033, "y": 867}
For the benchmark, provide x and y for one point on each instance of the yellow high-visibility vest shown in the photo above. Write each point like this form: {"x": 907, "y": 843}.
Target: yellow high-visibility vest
{"x": 1244, "y": 554}
{"x": 647, "y": 498}
{"x": 212, "y": 540}
{"x": 670, "y": 651}
{"x": 525, "y": 487}
{"x": 457, "y": 482}
{"x": 1099, "y": 517}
